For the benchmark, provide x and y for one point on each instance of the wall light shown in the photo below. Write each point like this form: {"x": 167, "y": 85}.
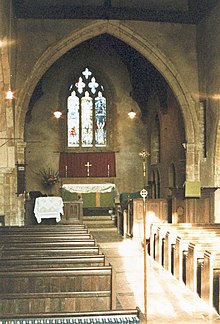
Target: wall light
{"x": 9, "y": 94}
{"x": 131, "y": 114}
{"x": 184, "y": 145}
{"x": 57, "y": 114}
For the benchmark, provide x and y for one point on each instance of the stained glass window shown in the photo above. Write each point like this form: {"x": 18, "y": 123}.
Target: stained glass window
{"x": 87, "y": 112}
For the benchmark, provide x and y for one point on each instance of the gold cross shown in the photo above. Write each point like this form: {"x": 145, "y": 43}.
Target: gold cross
{"x": 88, "y": 165}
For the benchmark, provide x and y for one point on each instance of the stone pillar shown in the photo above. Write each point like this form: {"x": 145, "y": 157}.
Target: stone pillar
{"x": 11, "y": 151}
{"x": 192, "y": 162}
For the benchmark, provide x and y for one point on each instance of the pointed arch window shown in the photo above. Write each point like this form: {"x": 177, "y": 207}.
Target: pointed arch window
{"x": 86, "y": 113}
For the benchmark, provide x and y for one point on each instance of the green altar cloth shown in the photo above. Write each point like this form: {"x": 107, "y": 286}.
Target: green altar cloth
{"x": 100, "y": 196}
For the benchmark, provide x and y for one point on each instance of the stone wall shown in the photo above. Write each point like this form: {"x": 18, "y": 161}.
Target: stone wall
{"x": 182, "y": 53}
{"x": 10, "y": 206}
{"x": 209, "y": 72}
{"x": 172, "y": 137}
{"x": 208, "y": 41}
{"x": 45, "y": 136}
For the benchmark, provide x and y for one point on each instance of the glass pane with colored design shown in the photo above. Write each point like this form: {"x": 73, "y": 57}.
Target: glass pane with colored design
{"x": 87, "y": 120}
{"x": 73, "y": 120}
{"x": 100, "y": 120}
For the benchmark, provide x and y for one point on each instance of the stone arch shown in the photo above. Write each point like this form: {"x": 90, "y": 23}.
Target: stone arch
{"x": 143, "y": 46}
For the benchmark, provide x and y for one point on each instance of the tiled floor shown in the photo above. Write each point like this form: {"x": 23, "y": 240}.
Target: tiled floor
{"x": 167, "y": 301}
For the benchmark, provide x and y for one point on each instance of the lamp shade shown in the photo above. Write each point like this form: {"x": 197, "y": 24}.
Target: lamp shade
{"x": 9, "y": 94}
{"x": 57, "y": 114}
{"x": 131, "y": 114}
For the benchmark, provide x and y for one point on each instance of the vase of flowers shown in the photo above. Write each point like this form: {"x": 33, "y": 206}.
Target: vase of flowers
{"x": 49, "y": 178}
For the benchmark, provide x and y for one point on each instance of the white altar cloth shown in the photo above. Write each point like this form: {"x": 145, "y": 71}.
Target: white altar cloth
{"x": 85, "y": 188}
{"x": 48, "y": 207}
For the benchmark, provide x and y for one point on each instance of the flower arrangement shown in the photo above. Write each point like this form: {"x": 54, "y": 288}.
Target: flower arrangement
{"x": 49, "y": 176}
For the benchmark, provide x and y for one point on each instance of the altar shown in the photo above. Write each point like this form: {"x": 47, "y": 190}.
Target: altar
{"x": 93, "y": 195}
{"x": 48, "y": 207}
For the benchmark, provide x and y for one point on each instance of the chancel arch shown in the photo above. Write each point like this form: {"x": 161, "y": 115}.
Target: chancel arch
{"x": 141, "y": 44}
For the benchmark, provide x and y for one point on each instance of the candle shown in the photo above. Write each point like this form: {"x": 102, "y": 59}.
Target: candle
{"x": 66, "y": 171}
{"x": 108, "y": 170}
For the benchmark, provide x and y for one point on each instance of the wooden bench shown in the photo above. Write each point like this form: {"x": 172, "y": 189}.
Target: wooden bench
{"x": 210, "y": 279}
{"x": 48, "y": 252}
{"x": 182, "y": 248}
{"x": 188, "y": 258}
{"x": 44, "y": 228}
{"x": 195, "y": 260}
{"x": 56, "y": 290}
{"x": 163, "y": 236}
{"x": 12, "y": 240}
{"x": 126, "y": 316}
{"x": 192, "y": 252}
{"x": 51, "y": 262}
{"x": 175, "y": 248}
{"x": 40, "y": 245}
{"x": 44, "y": 236}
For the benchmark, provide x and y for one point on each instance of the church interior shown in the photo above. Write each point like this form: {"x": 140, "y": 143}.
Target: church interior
{"x": 109, "y": 156}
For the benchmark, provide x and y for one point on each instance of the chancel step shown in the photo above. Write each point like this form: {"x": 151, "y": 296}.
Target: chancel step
{"x": 100, "y": 222}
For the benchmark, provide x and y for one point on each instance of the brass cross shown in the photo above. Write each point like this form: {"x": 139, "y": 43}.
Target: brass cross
{"x": 88, "y": 165}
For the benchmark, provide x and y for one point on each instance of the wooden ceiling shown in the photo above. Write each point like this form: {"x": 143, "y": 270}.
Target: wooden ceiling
{"x": 175, "y": 11}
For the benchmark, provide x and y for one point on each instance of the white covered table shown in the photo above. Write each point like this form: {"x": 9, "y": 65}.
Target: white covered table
{"x": 48, "y": 207}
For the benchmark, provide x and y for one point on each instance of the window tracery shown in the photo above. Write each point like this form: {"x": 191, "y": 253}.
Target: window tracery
{"x": 87, "y": 113}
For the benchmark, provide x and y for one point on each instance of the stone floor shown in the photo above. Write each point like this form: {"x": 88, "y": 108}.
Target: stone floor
{"x": 167, "y": 300}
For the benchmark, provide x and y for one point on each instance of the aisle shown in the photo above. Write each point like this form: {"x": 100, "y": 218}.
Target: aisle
{"x": 168, "y": 301}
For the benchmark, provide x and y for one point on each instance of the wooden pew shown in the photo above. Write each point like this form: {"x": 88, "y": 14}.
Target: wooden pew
{"x": 193, "y": 270}
{"x": 176, "y": 251}
{"x": 43, "y": 237}
{"x": 45, "y": 228}
{"x": 182, "y": 247}
{"x": 196, "y": 255}
{"x": 56, "y": 290}
{"x": 41, "y": 245}
{"x": 210, "y": 279}
{"x": 14, "y": 240}
{"x": 165, "y": 233}
{"x": 52, "y": 262}
{"x": 48, "y": 252}
{"x": 113, "y": 316}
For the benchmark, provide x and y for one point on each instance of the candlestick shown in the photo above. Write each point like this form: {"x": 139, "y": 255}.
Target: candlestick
{"x": 66, "y": 171}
